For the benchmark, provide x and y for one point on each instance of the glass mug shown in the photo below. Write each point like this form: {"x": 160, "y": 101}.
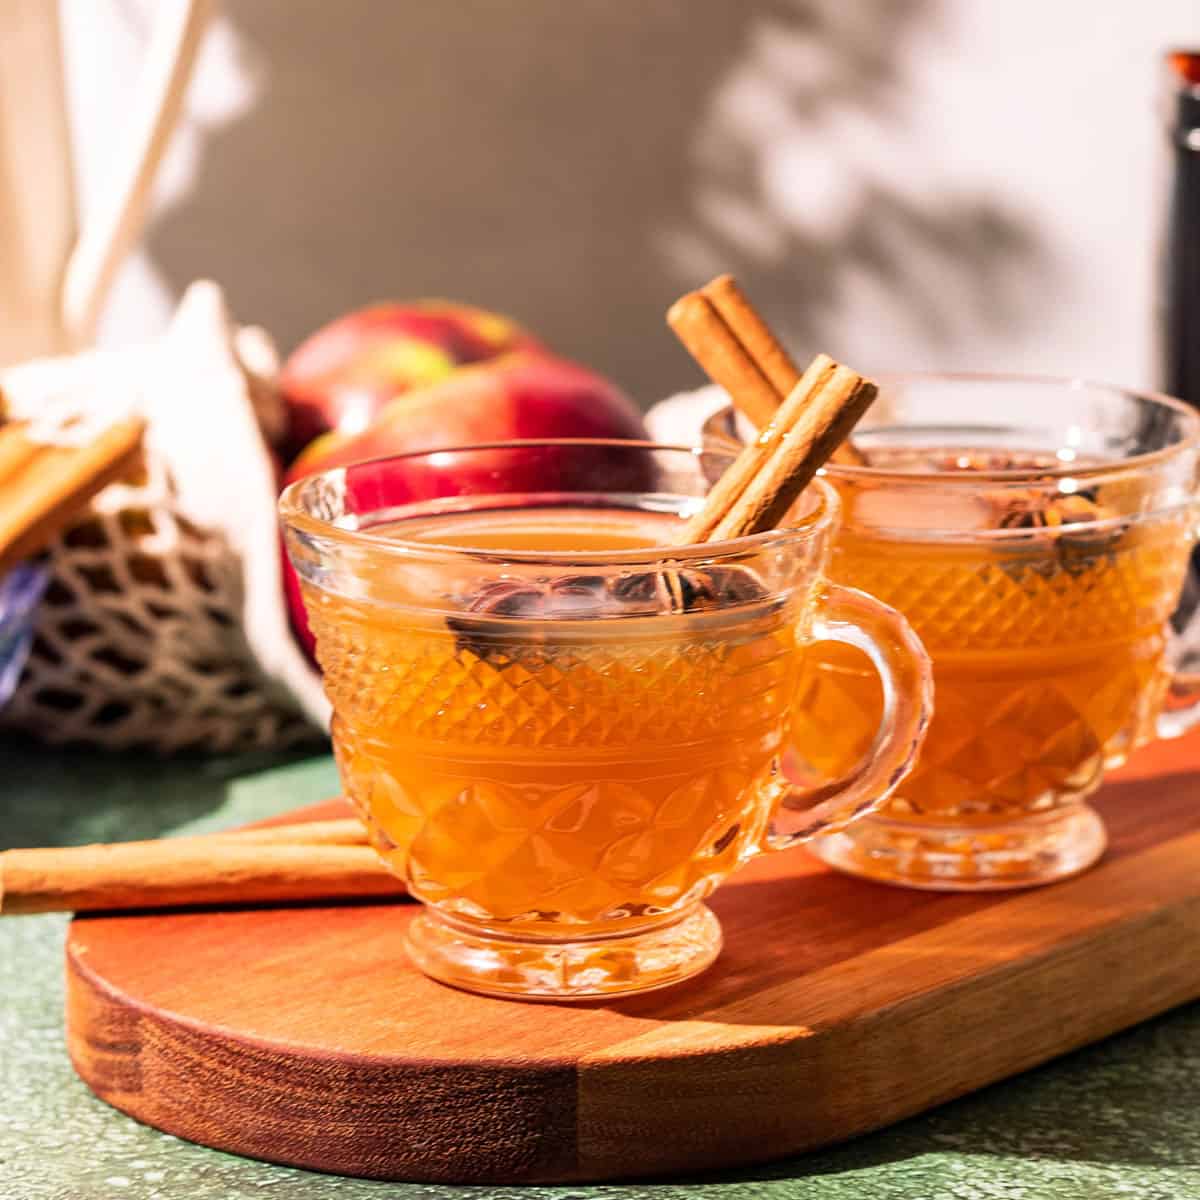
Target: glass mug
{"x": 562, "y": 732}
{"x": 1036, "y": 533}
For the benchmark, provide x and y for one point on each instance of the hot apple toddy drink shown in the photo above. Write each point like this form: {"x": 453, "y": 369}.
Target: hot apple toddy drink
{"x": 1036, "y": 533}
{"x": 1048, "y": 639}
{"x": 561, "y": 703}
{"x": 597, "y": 758}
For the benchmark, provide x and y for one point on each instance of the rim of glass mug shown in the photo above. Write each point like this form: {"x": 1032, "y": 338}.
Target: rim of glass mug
{"x": 717, "y": 423}
{"x": 823, "y": 509}
{"x": 1170, "y": 470}
{"x": 1073, "y": 383}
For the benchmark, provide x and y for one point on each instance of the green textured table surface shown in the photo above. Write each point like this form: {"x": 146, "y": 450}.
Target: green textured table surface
{"x": 1120, "y": 1119}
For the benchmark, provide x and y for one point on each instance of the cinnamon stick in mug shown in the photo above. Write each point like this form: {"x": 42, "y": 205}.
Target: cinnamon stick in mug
{"x": 728, "y": 337}
{"x": 822, "y": 424}
{"x": 753, "y": 457}
{"x": 764, "y": 481}
{"x": 710, "y": 341}
{"x": 754, "y": 334}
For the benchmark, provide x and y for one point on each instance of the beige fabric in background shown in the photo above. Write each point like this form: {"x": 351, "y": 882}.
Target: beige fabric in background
{"x": 37, "y": 199}
{"x": 906, "y": 183}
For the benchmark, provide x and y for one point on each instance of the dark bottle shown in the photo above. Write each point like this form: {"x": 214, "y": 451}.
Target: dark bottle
{"x": 1181, "y": 274}
{"x": 1181, "y": 333}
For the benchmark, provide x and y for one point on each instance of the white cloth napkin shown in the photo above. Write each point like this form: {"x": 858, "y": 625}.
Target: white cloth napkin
{"x": 678, "y": 420}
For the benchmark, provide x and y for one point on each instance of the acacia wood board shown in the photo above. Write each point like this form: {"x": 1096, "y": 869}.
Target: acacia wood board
{"x": 303, "y": 1035}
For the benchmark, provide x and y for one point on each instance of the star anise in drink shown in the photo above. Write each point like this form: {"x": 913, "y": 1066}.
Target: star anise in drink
{"x": 1083, "y": 528}
{"x": 485, "y": 624}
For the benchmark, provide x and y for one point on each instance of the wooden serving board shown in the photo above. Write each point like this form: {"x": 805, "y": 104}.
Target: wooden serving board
{"x": 302, "y": 1035}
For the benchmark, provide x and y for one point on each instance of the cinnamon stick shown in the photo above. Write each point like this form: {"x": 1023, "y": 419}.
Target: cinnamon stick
{"x": 728, "y": 337}
{"x": 305, "y": 861}
{"x": 742, "y": 470}
{"x": 714, "y": 346}
{"x": 43, "y": 486}
{"x": 16, "y": 452}
{"x": 339, "y": 831}
{"x": 818, "y": 429}
{"x": 847, "y": 454}
{"x": 754, "y": 334}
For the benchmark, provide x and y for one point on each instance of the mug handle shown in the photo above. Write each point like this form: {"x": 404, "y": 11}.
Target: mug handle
{"x": 1180, "y": 708}
{"x": 852, "y": 617}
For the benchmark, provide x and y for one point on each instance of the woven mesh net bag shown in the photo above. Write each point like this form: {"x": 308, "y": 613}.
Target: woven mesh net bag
{"x": 163, "y": 624}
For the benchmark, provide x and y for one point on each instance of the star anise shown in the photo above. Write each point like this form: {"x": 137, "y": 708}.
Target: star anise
{"x": 1084, "y": 527}
{"x": 1033, "y": 509}
{"x": 667, "y": 590}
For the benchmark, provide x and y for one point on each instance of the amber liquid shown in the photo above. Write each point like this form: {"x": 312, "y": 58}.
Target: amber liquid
{"x": 1047, "y": 653}
{"x": 551, "y": 772}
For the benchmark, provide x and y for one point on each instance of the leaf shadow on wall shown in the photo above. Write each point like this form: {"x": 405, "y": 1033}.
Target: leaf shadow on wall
{"x": 578, "y": 165}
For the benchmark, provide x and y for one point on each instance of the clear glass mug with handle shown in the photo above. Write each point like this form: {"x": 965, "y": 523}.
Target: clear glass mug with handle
{"x": 563, "y": 731}
{"x": 1036, "y": 533}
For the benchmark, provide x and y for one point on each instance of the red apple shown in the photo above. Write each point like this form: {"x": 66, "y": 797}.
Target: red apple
{"x": 345, "y": 373}
{"x": 525, "y": 394}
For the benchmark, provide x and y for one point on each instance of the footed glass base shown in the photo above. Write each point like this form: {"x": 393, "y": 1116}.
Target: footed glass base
{"x": 1039, "y": 850}
{"x": 540, "y": 969}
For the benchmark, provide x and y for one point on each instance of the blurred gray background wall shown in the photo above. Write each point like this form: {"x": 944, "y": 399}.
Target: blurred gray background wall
{"x": 907, "y": 183}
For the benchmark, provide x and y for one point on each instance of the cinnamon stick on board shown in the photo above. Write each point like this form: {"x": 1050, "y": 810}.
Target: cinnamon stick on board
{"x": 728, "y": 337}
{"x": 305, "y": 861}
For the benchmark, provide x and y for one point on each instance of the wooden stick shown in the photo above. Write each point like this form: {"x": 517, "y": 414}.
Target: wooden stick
{"x": 820, "y": 426}
{"x": 727, "y": 490}
{"x": 245, "y": 867}
{"x": 713, "y": 345}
